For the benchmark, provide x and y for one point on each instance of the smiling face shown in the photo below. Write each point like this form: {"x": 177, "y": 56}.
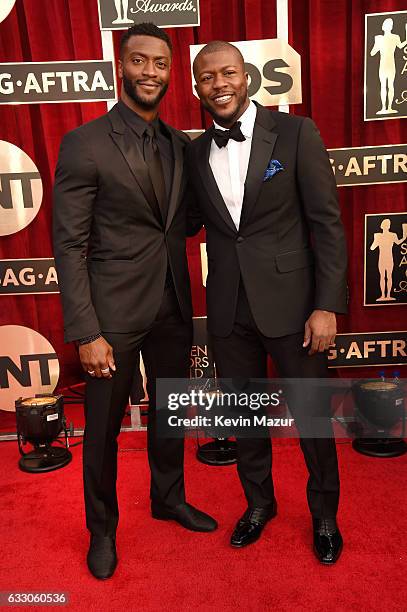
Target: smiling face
{"x": 221, "y": 84}
{"x": 145, "y": 71}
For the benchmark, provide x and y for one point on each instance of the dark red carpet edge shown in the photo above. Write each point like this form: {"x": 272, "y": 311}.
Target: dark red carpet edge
{"x": 164, "y": 567}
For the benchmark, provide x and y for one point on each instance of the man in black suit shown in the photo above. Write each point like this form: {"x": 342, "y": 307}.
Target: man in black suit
{"x": 276, "y": 272}
{"x": 119, "y": 244}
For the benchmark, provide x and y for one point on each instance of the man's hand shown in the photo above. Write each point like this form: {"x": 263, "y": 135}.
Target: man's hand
{"x": 320, "y": 331}
{"x": 97, "y": 358}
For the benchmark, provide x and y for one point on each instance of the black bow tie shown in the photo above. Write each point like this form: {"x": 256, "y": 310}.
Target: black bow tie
{"x": 222, "y": 137}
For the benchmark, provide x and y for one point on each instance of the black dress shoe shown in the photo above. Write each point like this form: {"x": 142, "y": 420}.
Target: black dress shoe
{"x": 328, "y": 541}
{"x": 186, "y": 515}
{"x": 102, "y": 558}
{"x": 251, "y": 525}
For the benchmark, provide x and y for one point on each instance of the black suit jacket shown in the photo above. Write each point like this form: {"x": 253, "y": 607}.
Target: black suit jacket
{"x": 111, "y": 250}
{"x": 290, "y": 249}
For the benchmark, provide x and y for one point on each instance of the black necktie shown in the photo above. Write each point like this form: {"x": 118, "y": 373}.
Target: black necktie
{"x": 152, "y": 158}
{"x": 222, "y": 137}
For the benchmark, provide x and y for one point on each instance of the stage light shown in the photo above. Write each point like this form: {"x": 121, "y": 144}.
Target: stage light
{"x": 379, "y": 408}
{"x": 40, "y": 420}
{"x": 221, "y": 451}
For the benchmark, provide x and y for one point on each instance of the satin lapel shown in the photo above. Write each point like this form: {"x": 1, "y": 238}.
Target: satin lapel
{"x": 262, "y": 148}
{"x": 176, "y": 179}
{"x": 133, "y": 158}
{"x": 215, "y": 196}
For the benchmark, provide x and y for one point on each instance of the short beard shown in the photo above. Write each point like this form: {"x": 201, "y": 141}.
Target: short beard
{"x": 142, "y": 102}
{"x": 230, "y": 119}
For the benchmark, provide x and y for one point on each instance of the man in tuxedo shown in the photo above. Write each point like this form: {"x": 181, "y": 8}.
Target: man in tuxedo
{"x": 276, "y": 272}
{"x": 119, "y": 244}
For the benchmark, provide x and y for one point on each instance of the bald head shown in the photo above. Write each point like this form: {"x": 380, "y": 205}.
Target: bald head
{"x": 216, "y": 46}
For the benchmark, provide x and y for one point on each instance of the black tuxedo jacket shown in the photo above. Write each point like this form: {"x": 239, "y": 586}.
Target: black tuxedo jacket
{"x": 290, "y": 248}
{"x": 111, "y": 250}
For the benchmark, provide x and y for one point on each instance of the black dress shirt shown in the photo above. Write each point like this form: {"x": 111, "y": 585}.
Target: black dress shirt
{"x": 138, "y": 126}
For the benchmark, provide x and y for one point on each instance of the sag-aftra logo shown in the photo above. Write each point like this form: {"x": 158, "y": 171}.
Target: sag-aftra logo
{"x": 76, "y": 81}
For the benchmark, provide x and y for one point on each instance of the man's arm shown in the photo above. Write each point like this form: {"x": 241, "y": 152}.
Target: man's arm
{"x": 375, "y": 242}
{"x": 398, "y": 240}
{"x": 377, "y": 46}
{"x": 74, "y": 195}
{"x": 404, "y": 43}
{"x": 320, "y": 202}
{"x": 194, "y": 217}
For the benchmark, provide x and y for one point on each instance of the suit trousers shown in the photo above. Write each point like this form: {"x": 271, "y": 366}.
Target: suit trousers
{"x": 166, "y": 349}
{"x": 244, "y": 354}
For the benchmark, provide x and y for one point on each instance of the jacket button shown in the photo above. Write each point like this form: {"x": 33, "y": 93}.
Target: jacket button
{"x": 240, "y": 239}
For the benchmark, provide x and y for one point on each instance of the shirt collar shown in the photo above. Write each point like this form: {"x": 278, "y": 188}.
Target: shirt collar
{"x": 133, "y": 120}
{"x": 247, "y": 121}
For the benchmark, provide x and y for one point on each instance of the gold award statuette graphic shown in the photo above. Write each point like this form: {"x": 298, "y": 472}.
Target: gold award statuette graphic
{"x": 385, "y": 65}
{"x": 386, "y": 44}
{"x": 385, "y": 269}
{"x": 5, "y": 8}
{"x": 28, "y": 365}
{"x": 122, "y": 10}
{"x": 384, "y": 241}
{"x": 120, "y": 14}
{"x": 20, "y": 189}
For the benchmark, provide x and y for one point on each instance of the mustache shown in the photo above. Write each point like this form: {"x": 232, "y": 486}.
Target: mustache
{"x": 130, "y": 88}
{"x": 142, "y": 81}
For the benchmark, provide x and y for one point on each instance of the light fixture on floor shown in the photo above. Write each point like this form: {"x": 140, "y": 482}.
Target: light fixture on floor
{"x": 40, "y": 420}
{"x": 221, "y": 451}
{"x": 380, "y": 408}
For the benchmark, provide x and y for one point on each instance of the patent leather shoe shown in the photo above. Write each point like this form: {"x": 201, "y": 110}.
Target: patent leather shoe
{"x": 328, "y": 541}
{"x": 186, "y": 515}
{"x": 102, "y": 557}
{"x": 249, "y": 528}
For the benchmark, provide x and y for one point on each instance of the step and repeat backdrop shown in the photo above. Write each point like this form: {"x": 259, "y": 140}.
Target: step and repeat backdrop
{"x": 335, "y": 61}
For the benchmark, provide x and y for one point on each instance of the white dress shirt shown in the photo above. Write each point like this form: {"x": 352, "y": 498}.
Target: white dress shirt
{"x": 229, "y": 164}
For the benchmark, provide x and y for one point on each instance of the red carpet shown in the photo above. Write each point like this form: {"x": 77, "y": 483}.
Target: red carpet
{"x": 164, "y": 567}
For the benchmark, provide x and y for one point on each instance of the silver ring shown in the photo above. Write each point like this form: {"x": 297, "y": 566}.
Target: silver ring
{"x": 105, "y": 371}
{"x": 91, "y": 372}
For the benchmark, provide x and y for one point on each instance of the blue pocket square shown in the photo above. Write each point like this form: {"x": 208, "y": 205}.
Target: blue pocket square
{"x": 273, "y": 167}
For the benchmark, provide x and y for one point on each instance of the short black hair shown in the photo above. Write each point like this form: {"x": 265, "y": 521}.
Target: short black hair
{"x": 145, "y": 29}
{"x": 213, "y": 47}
